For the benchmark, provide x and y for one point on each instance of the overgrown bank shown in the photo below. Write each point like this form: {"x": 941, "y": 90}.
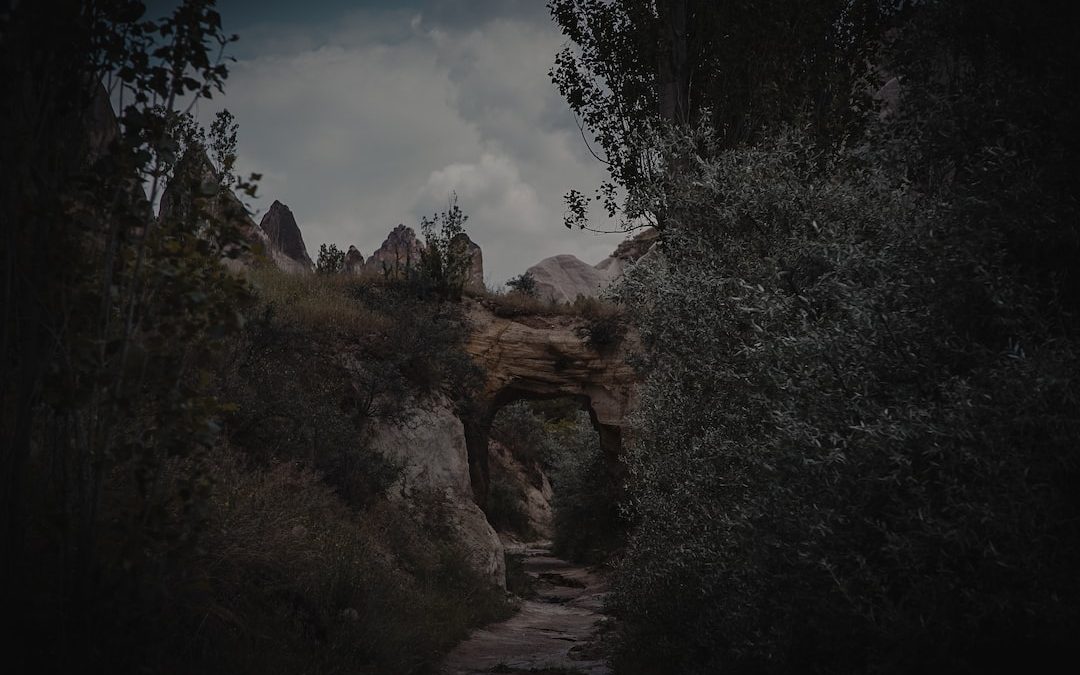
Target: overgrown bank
{"x": 856, "y": 450}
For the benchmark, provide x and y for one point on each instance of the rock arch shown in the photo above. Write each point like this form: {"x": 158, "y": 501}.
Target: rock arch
{"x": 544, "y": 357}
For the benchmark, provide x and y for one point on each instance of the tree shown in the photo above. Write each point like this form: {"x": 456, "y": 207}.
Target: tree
{"x": 743, "y": 66}
{"x": 855, "y": 450}
{"x": 525, "y": 284}
{"x": 331, "y": 259}
{"x": 111, "y": 317}
{"x": 444, "y": 261}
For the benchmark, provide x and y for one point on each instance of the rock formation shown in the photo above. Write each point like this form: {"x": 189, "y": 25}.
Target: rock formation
{"x": 538, "y": 357}
{"x": 399, "y": 253}
{"x": 195, "y": 175}
{"x": 531, "y": 482}
{"x": 285, "y": 239}
{"x": 562, "y": 278}
{"x": 474, "y": 274}
{"x": 354, "y": 261}
{"x": 431, "y": 447}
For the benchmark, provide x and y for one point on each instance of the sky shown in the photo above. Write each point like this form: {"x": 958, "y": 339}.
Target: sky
{"x": 363, "y": 115}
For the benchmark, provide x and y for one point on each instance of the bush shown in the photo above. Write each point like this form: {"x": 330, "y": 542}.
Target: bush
{"x": 586, "y": 495}
{"x": 523, "y": 284}
{"x": 293, "y": 580}
{"x": 525, "y": 434}
{"x": 445, "y": 260}
{"x": 849, "y": 452}
{"x": 504, "y": 508}
{"x": 331, "y": 259}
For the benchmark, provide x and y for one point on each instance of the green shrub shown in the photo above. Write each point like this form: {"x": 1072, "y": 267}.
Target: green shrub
{"x": 523, "y": 432}
{"x": 331, "y": 259}
{"x": 523, "y": 284}
{"x": 504, "y": 507}
{"x": 292, "y": 580}
{"x": 586, "y": 495}
{"x": 849, "y": 452}
{"x": 445, "y": 260}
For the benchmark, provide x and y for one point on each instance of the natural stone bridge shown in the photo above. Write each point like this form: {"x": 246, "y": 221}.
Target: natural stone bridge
{"x": 543, "y": 357}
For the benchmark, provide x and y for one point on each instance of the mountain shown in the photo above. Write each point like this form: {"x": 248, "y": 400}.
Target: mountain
{"x": 285, "y": 239}
{"x": 563, "y": 278}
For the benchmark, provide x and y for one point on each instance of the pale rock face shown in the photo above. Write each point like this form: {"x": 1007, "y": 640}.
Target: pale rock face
{"x": 285, "y": 238}
{"x": 354, "y": 261}
{"x": 399, "y": 252}
{"x": 534, "y": 485}
{"x": 430, "y": 445}
{"x": 563, "y": 278}
{"x": 474, "y": 275}
{"x": 544, "y": 357}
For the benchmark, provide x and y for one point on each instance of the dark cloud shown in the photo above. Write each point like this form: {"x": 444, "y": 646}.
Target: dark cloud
{"x": 371, "y": 116}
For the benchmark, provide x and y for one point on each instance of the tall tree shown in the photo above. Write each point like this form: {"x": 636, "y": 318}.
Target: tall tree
{"x": 742, "y": 66}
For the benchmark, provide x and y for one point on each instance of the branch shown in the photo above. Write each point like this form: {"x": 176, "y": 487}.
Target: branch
{"x": 588, "y": 146}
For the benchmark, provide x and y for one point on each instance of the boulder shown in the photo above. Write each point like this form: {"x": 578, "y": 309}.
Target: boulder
{"x": 285, "y": 239}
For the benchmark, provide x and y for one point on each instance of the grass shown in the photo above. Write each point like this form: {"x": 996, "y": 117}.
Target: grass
{"x": 290, "y": 579}
{"x": 326, "y": 301}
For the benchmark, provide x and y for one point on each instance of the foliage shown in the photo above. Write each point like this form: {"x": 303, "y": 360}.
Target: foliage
{"x": 137, "y": 535}
{"x": 587, "y": 493}
{"x": 445, "y": 259}
{"x": 291, "y": 579}
{"x": 524, "y": 284}
{"x": 605, "y": 325}
{"x": 504, "y": 508}
{"x": 850, "y": 445}
{"x": 331, "y": 259}
{"x": 856, "y": 443}
{"x": 742, "y": 67}
{"x": 112, "y": 319}
{"x": 523, "y": 433}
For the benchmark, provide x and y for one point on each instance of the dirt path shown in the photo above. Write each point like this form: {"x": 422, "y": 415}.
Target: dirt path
{"x": 553, "y": 632}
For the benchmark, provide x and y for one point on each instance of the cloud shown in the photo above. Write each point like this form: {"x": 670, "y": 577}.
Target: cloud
{"x": 375, "y": 117}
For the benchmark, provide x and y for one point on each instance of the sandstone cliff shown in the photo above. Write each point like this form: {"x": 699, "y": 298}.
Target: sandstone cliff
{"x": 430, "y": 446}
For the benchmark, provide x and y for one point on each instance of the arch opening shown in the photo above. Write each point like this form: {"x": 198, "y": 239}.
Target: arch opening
{"x": 551, "y": 473}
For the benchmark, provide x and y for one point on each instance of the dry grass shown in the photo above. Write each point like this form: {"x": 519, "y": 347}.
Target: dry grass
{"x": 324, "y": 301}
{"x": 511, "y": 305}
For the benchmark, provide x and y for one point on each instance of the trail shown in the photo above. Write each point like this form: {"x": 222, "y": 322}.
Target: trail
{"x": 553, "y": 632}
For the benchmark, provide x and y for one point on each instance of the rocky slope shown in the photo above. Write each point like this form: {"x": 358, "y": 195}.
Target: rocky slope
{"x": 529, "y": 483}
